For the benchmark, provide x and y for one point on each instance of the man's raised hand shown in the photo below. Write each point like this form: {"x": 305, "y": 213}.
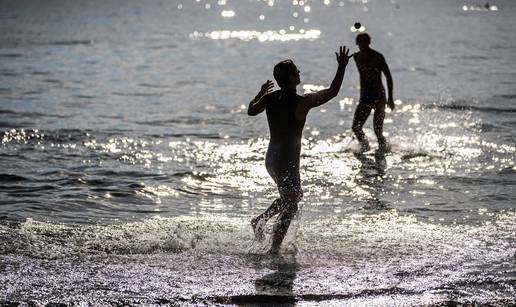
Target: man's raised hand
{"x": 343, "y": 56}
{"x": 266, "y": 88}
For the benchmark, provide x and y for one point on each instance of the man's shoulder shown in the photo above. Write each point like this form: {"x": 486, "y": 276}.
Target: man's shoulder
{"x": 369, "y": 54}
{"x": 270, "y": 97}
{"x": 271, "y": 94}
{"x": 377, "y": 54}
{"x": 358, "y": 56}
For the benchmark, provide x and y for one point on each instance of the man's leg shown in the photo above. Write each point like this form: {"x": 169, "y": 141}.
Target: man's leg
{"x": 273, "y": 166}
{"x": 361, "y": 114}
{"x": 273, "y": 209}
{"x": 290, "y": 198}
{"x": 379, "y": 116}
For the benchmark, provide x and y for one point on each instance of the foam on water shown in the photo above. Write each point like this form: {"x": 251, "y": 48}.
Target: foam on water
{"x": 374, "y": 253}
{"x": 348, "y": 237}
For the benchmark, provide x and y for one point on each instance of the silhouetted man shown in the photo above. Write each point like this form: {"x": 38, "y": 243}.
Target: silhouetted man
{"x": 371, "y": 64}
{"x": 286, "y": 113}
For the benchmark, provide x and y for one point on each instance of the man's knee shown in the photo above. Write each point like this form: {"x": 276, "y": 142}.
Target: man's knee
{"x": 288, "y": 213}
{"x": 292, "y": 195}
{"x": 295, "y": 196}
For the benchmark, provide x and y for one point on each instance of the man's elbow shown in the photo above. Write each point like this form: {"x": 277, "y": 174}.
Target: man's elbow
{"x": 251, "y": 112}
{"x": 333, "y": 93}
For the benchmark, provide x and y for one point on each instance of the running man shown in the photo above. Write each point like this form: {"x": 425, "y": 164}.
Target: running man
{"x": 371, "y": 64}
{"x": 286, "y": 114}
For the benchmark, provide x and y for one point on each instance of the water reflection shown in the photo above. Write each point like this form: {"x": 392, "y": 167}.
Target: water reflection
{"x": 485, "y": 7}
{"x": 371, "y": 178}
{"x": 205, "y": 175}
{"x": 228, "y": 13}
{"x": 266, "y": 36}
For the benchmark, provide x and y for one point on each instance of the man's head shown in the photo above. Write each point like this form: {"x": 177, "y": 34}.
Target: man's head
{"x": 363, "y": 40}
{"x": 286, "y": 74}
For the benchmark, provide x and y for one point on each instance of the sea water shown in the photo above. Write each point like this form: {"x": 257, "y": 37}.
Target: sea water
{"x": 129, "y": 169}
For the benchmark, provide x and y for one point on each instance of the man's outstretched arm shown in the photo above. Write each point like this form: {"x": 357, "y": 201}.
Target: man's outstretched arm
{"x": 321, "y": 97}
{"x": 257, "y": 105}
{"x": 386, "y": 71}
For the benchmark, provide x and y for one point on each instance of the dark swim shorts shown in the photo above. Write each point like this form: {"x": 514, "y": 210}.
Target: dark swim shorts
{"x": 371, "y": 98}
{"x": 283, "y": 166}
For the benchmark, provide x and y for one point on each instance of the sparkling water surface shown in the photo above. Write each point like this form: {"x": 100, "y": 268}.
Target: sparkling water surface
{"x": 129, "y": 169}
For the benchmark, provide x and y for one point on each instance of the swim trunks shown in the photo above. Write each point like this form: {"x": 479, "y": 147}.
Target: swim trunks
{"x": 372, "y": 98}
{"x": 282, "y": 164}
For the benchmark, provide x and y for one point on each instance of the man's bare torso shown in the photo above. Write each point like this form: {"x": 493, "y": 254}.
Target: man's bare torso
{"x": 370, "y": 64}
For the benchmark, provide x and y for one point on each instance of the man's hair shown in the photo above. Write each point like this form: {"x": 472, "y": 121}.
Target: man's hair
{"x": 282, "y": 72}
{"x": 363, "y": 37}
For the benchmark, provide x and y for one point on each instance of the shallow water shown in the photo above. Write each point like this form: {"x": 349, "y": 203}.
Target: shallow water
{"x": 129, "y": 168}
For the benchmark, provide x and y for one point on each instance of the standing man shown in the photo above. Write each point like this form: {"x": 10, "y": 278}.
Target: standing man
{"x": 286, "y": 114}
{"x": 371, "y": 64}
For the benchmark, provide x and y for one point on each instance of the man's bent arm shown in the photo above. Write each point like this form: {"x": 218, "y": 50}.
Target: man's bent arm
{"x": 257, "y": 105}
{"x": 390, "y": 85}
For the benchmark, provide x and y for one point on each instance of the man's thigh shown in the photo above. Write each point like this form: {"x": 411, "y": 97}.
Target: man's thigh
{"x": 379, "y": 111}
{"x": 361, "y": 113}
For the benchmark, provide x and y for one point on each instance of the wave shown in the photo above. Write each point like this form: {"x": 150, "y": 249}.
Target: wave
{"x": 10, "y": 55}
{"x": 462, "y": 107}
{"x": 26, "y": 191}
{"x": 33, "y": 114}
{"x": 9, "y": 73}
{"x": 331, "y": 237}
{"x": 140, "y": 94}
{"x": 488, "y": 180}
{"x": 53, "y": 241}
{"x": 414, "y": 155}
{"x": 188, "y": 121}
{"x": 381, "y": 258}
{"x": 21, "y": 125}
{"x": 53, "y": 136}
{"x": 84, "y": 96}
{"x": 40, "y": 73}
{"x": 470, "y": 57}
{"x": 151, "y": 85}
{"x": 507, "y": 96}
{"x": 71, "y": 42}
{"x": 11, "y": 178}
{"x": 206, "y": 135}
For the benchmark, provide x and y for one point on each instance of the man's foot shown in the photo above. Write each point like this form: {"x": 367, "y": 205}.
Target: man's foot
{"x": 258, "y": 224}
{"x": 384, "y": 147}
{"x": 364, "y": 146}
{"x": 273, "y": 251}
